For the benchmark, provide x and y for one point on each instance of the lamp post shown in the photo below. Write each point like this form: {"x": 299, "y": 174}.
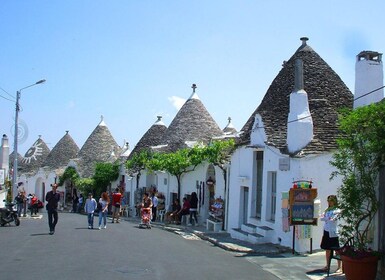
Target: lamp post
{"x": 15, "y": 163}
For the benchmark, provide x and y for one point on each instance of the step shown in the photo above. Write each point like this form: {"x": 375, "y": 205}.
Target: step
{"x": 264, "y": 230}
{"x": 240, "y": 234}
{"x": 250, "y": 228}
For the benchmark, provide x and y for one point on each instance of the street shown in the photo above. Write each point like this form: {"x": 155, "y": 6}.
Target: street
{"x": 122, "y": 251}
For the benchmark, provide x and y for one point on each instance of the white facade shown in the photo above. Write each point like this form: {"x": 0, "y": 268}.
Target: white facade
{"x": 167, "y": 184}
{"x": 243, "y": 193}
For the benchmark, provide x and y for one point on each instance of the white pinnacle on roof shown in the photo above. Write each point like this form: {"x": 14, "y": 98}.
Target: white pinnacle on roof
{"x": 194, "y": 95}
{"x": 159, "y": 121}
{"x": 102, "y": 123}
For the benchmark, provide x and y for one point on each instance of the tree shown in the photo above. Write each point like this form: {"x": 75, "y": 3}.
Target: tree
{"x": 219, "y": 153}
{"x": 105, "y": 172}
{"x": 359, "y": 158}
{"x": 85, "y": 185}
{"x": 139, "y": 162}
{"x": 177, "y": 163}
{"x": 69, "y": 174}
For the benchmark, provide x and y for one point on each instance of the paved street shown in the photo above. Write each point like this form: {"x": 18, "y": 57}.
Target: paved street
{"x": 122, "y": 251}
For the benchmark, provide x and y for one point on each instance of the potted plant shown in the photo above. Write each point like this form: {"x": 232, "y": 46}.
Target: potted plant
{"x": 359, "y": 158}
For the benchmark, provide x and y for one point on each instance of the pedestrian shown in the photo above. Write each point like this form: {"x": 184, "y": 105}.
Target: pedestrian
{"x": 89, "y": 208}
{"x": 19, "y": 199}
{"x": 34, "y": 205}
{"x": 104, "y": 201}
{"x": 330, "y": 235}
{"x": 52, "y": 198}
{"x": 80, "y": 203}
{"x": 154, "y": 206}
{"x": 193, "y": 208}
{"x": 75, "y": 201}
{"x": 184, "y": 211}
{"x": 116, "y": 203}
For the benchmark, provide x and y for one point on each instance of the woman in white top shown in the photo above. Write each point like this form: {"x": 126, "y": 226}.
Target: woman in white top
{"x": 330, "y": 236}
{"x": 104, "y": 201}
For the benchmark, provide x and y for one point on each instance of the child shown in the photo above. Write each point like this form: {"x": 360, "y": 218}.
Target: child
{"x": 89, "y": 208}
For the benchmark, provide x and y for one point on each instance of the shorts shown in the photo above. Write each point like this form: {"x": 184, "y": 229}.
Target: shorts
{"x": 115, "y": 209}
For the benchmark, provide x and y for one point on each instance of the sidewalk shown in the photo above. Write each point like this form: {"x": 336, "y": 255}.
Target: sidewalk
{"x": 274, "y": 258}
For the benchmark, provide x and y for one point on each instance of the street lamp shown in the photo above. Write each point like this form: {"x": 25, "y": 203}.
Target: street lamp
{"x": 14, "y": 175}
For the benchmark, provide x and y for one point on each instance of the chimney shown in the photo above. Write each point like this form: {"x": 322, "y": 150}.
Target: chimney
{"x": 369, "y": 78}
{"x": 300, "y": 122}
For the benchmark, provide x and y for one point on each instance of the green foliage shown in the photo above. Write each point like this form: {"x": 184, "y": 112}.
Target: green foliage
{"x": 360, "y": 156}
{"x": 139, "y": 161}
{"x": 177, "y": 163}
{"x": 85, "y": 185}
{"x": 104, "y": 173}
{"x": 69, "y": 174}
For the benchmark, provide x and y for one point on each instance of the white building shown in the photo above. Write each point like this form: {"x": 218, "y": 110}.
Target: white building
{"x": 290, "y": 136}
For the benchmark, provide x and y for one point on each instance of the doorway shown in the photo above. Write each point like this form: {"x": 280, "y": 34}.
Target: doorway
{"x": 245, "y": 203}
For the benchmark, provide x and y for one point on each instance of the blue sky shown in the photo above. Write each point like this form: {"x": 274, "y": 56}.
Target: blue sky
{"x": 133, "y": 60}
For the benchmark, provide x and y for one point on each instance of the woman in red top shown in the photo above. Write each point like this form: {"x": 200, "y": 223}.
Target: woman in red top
{"x": 116, "y": 200}
{"x": 184, "y": 211}
{"x": 34, "y": 208}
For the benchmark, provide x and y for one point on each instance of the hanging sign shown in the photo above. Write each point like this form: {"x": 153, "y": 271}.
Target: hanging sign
{"x": 301, "y": 201}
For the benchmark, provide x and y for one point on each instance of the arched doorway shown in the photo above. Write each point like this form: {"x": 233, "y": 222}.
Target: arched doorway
{"x": 40, "y": 189}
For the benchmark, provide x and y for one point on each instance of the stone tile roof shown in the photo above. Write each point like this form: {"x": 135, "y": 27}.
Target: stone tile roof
{"x": 12, "y": 158}
{"x": 153, "y": 137}
{"x": 192, "y": 123}
{"x": 100, "y": 146}
{"x": 63, "y": 151}
{"x": 35, "y": 156}
{"x": 327, "y": 93}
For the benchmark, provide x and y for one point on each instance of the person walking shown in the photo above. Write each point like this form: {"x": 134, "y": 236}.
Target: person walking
{"x": 104, "y": 201}
{"x": 80, "y": 203}
{"x": 116, "y": 203}
{"x": 193, "y": 208}
{"x": 19, "y": 199}
{"x": 154, "y": 206}
{"x": 52, "y": 198}
{"x": 330, "y": 235}
{"x": 89, "y": 208}
{"x": 75, "y": 201}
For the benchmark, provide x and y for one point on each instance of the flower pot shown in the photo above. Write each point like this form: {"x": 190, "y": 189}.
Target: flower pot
{"x": 358, "y": 269}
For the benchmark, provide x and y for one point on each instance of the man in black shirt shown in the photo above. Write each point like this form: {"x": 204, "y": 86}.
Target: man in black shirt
{"x": 52, "y": 199}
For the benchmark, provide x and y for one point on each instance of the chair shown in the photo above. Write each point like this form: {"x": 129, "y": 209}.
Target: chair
{"x": 161, "y": 214}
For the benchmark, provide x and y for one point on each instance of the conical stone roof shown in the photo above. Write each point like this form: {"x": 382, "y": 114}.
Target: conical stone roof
{"x": 192, "y": 123}
{"x": 12, "y": 159}
{"x": 35, "y": 156}
{"x": 153, "y": 137}
{"x": 63, "y": 151}
{"x": 327, "y": 93}
{"x": 100, "y": 146}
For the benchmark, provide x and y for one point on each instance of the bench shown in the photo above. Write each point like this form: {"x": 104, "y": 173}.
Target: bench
{"x": 213, "y": 225}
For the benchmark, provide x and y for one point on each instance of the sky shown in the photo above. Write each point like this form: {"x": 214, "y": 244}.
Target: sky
{"x": 130, "y": 61}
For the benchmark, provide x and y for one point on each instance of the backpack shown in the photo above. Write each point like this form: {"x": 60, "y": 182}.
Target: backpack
{"x": 99, "y": 206}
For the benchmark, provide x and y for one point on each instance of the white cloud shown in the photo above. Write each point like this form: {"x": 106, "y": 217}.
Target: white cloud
{"x": 177, "y": 102}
